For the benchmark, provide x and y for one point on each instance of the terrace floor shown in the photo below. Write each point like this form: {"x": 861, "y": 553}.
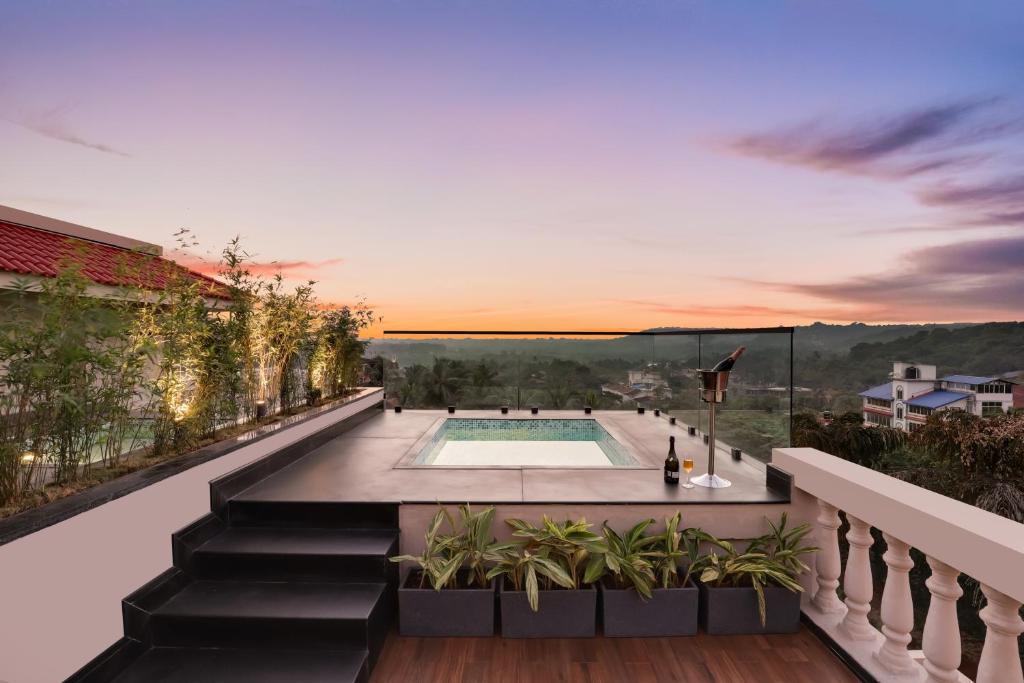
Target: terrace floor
{"x": 370, "y": 463}
{"x": 798, "y": 658}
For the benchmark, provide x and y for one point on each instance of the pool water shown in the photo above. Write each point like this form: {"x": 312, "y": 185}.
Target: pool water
{"x": 512, "y": 442}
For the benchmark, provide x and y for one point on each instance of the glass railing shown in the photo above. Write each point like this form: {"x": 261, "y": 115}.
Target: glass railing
{"x": 654, "y": 370}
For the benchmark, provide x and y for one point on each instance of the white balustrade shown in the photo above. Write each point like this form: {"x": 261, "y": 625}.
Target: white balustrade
{"x": 897, "y": 608}
{"x": 954, "y": 537}
{"x": 857, "y": 582}
{"x": 941, "y": 637}
{"x": 1000, "y": 658}
{"x": 829, "y": 564}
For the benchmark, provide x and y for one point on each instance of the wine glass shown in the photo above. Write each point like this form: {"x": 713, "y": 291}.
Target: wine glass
{"x": 688, "y": 466}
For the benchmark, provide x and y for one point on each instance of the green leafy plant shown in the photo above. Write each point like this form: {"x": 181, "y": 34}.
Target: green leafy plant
{"x": 554, "y": 554}
{"x": 437, "y": 563}
{"x": 469, "y": 544}
{"x": 640, "y": 561}
{"x": 772, "y": 559}
{"x": 628, "y": 558}
{"x": 668, "y": 550}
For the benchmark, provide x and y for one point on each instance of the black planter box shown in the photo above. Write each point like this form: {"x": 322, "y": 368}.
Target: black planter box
{"x": 729, "y": 611}
{"x": 448, "y": 612}
{"x": 669, "y": 612}
{"x": 562, "y": 614}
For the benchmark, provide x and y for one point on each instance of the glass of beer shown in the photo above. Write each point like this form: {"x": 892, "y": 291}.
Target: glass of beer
{"x": 688, "y": 467}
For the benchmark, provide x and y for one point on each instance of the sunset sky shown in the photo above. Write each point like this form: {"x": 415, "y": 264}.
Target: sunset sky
{"x": 517, "y": 164}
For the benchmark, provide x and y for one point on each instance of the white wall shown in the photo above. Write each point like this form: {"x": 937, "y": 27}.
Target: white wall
{"x": 61, "y": 587}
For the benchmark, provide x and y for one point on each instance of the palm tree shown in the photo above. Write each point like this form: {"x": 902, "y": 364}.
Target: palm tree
{"x": 443, "y": 382}
{"x": 847, "y": 437}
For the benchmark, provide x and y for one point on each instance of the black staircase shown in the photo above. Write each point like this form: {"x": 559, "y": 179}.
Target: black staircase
{"x": 273, "y": 592}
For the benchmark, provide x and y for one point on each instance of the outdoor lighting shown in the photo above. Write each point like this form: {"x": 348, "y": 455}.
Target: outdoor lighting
{"x": 692, "y": 431}
{"x": 737, "y": 454}
{"x": 671, "y": 420}
{"x": 504, "y": 410}
{"x": 261, "y": 410}
{"x": 28, "y": 457}
{"x": 657, "y": 413}
{"x": 587, "y": 410}
{"x": 640, "y": 410}
{"x": 451, "y": 410}
{"x": 534, "y": 410}
{"x": 398, "y": 409}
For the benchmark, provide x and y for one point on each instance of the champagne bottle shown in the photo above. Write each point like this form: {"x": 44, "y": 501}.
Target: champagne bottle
{"x": 671, "y": 463}
{"x": 726, "y": 363}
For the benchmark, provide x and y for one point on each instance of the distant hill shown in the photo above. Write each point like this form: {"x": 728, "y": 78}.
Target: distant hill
{"x": 984, "y": 349}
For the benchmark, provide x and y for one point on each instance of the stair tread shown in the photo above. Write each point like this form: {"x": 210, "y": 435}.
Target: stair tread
{"x": 277, "y": 541}
{"x": 227, "y": 665}
{"x": 274, "y": 600}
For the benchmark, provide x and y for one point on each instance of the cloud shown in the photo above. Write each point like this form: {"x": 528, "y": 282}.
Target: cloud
{"x": 288, "y": 269}
{"x": 912, "y": 143}
{"x": 53, "y": 124}
{"x": 972, "y": 280}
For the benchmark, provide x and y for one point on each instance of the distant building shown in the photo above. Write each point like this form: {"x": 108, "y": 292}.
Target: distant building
{"x": 915, "y": 393}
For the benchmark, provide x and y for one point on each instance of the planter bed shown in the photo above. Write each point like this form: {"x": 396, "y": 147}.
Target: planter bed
{"x": 562, "y": 614}
{"x": 669, "y": 612}
{"x": 448, "y": 612}
{"x": 729, "y": 610}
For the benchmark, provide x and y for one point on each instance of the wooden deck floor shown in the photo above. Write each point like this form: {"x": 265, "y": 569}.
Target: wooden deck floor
{"x": 798, "y": 658}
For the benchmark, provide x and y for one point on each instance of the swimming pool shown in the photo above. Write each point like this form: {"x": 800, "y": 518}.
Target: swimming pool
{"x": 521, "y": 442}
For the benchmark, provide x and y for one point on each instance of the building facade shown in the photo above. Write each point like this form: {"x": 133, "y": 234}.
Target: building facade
{"x": 915, "y": 392}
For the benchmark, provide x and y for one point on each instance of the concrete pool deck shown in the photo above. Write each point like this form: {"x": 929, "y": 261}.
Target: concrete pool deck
{"x": 365, "y": 464}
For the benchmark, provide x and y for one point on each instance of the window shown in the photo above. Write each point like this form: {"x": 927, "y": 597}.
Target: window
{"x": 919, "y": 410}
{"x": 910, "y": 373}
{"x": 914, "y": 426}
{"x": 899, "y": 393}
{"x": 899, "y": 413}
{"x": 995, "y": 388}
{"x": 879, "y": 403}
{"x": 991, "y": 408}
{"x": 880, "y": 420}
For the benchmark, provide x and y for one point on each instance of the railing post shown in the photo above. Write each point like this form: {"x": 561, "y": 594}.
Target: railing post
{"x": 828, "y": 562}
{"x": 941, "y": 638}
{"x": 897, "y": 608}
{"x": 1000, "y": 658}
{"x": 857, "y": 581}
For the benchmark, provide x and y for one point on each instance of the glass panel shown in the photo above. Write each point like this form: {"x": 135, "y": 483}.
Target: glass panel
{"x": 564, "y": 372}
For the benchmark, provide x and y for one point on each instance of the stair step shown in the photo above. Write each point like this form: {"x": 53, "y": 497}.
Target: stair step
{"x": 297, "y": 554}
{"x": 296, "y": 615}
{"x": 247, "y": 512}
{"x": 225, "y": 665}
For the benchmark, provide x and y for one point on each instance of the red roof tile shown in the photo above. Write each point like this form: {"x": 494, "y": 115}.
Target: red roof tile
{"x": 30, "y": 251}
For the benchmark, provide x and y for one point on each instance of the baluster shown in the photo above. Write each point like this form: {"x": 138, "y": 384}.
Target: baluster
{"x": 941, "y": 638}
{"x": 857, "y": 581}
{"x": 1000, "y": 659}
{"x": 828, "y": 563}
{"x": 897, "y": 608}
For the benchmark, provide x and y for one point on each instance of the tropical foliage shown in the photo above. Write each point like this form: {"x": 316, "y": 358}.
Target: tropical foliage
{"x": 772, "y": 559}
{"x": 565, "y": 554}
{"x": 468, "y": 545}
{"x": 642, "y": 562}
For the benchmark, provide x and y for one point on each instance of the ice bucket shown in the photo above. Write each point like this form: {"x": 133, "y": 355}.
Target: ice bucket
{"x": 713, "y": 384}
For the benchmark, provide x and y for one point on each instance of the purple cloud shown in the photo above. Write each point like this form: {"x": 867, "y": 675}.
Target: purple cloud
{"x": 966, "y": 280}
{"x": 909, "y": 144}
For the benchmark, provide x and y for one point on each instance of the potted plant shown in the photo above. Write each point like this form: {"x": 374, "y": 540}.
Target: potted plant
{"x": 546, "y": 580}
{"x": 755, "y": 591}
{"x": 642, "y": 593}
{"x": 459, "y": 600}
